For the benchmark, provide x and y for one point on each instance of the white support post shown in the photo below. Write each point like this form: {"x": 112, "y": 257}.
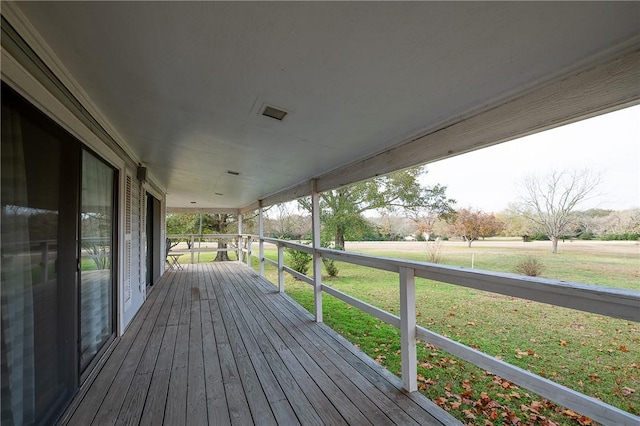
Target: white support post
{"x": 249, "y": 252}
{"x": 240, "y": 239}
{"x": 193, "y": 246}
{"x": 408, "y": 329}
{"x": 261, "y": 243}
{"x": 317, "y": 260}
{"x": 280, "y": 268}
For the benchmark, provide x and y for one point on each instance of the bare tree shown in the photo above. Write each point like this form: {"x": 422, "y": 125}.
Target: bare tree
{"x": 550, "y": 200}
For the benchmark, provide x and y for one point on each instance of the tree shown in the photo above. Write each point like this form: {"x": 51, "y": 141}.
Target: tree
{"x": 218, "y": 223}
{"x": 181, "y": 224}
{"x": 341, "y": 210}
{"x": 436, "y": 207}
{"x": 281, "y": 222}
{"x": 516, "y": 225}
{"x": 473, "y": 224}
{"x": 549, "y": 201}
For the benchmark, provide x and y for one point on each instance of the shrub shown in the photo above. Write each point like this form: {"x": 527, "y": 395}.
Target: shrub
{"x": 329, "y": 264}
{"x": 299, "y": 260}
{"x": 434, "y": 254}
{"x": 530, "y": 266}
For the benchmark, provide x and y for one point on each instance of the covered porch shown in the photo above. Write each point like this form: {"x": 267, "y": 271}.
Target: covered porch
{"x": 218, "y": 344}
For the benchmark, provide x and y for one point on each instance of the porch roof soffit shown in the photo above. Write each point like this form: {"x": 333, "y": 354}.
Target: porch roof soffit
{"x": 368, "y": 88}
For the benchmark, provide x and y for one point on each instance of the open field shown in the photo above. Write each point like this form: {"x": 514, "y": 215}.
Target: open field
{"x": 619, "y": 248}
{"x": 595, "y": 355}
{"x": 610, "y": 263}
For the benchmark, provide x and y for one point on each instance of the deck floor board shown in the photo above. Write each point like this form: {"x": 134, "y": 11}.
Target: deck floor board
{"x": 217, "y": 344}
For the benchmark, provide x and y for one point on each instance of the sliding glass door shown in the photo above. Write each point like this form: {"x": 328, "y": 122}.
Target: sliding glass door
{"x": 57, "y": 268}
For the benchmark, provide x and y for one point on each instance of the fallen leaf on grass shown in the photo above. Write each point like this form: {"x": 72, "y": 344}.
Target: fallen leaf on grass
{"x": 441, "y": 401}
{"x": 563, "y": 343}
{"x": 466, "y": 394}
{"x": 623, "y": 348}
{"x": 583, "y": 420}
{"x": 626, "y": 391}
{"x": 468, "y": 414}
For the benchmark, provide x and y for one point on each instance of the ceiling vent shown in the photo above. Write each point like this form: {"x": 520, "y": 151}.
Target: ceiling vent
{"x": 272, "y": 112}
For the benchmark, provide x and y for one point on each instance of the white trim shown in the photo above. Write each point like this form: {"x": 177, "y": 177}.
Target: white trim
{"x": 14, "y": 74}
{"x": 21, "y": 24}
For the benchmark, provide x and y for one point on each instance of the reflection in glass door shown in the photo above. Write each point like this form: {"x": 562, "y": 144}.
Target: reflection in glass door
{"x": 38, "y": 270}
{"x": 96, "y": 257}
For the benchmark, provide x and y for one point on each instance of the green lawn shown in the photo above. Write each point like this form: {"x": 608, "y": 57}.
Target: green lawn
{"x": 595, "y": 355}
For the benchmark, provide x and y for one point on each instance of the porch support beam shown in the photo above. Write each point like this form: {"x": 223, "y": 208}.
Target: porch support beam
{"x": 240, "y": 239}
{"x": 408, "y": 329}
{"x": 261, "y": 235}
{"x": 317, "y": 259}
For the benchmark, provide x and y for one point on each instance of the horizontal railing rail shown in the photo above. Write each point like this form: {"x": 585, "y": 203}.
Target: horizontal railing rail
{"x": 238, "y": 244}
{"x": 612, "y": 302}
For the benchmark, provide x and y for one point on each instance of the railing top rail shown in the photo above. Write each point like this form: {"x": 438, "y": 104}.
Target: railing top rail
{"x": 204, "y": 235}
{"x": 609, "y": 301}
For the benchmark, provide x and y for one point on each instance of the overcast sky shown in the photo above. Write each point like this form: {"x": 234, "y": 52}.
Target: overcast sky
{"x": 488, "y": 179}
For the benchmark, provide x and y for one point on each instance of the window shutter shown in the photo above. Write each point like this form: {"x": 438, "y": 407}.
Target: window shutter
{"x": 127, "y": 242}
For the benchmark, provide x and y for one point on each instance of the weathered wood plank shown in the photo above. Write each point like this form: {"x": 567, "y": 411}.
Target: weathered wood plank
{"x": 390, "y": 398}
{"x": 323, "y": 406}
{"x": 196, "y": 391}
{"x": 154, "y": 406}
{"x": 86, "y": 409}
{"x": 217, "y": 411}
{"x": 113, "y": 400}
{"x": 176, "y": 408}
{"x": 360, "y": 387}
{"x": 239, "y": 411}
{"x": 215, "y": 344}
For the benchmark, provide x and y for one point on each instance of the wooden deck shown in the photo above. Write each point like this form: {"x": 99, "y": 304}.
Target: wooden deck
{"x": 216, "y": 344}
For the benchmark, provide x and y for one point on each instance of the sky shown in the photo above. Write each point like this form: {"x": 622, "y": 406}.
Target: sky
{"x": 488, "y": 179}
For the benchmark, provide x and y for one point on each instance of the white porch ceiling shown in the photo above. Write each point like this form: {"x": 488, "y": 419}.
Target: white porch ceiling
{"x": 183, "y": 84}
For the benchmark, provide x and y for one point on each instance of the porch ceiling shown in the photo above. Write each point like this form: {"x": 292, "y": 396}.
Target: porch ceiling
{"x": 183, "y": 84}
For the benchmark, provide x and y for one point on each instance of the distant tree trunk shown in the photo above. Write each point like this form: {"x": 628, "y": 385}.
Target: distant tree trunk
{"x": 339, "y": 241}
{"x": 220, "y": 223}
{"x": 222, "y": 256}
{"x": 554, "y": 244}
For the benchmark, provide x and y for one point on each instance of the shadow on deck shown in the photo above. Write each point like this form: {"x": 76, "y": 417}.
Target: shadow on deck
{"x": 217, "y": 344}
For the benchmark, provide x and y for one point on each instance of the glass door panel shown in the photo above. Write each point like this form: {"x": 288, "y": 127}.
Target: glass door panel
{"x": 96, "y": 258}
{"x": 39, "y": 367}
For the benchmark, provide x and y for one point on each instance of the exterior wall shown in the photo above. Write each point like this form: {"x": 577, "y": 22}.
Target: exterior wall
{"x": 52, "y": 90}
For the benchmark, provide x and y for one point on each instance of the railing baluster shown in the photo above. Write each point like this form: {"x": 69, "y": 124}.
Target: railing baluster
{"x": 280, "y": 268}
{"x": 408, "y": 329}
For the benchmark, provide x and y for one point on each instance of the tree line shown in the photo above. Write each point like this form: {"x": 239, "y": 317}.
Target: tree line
{"x": 397, "y": 206}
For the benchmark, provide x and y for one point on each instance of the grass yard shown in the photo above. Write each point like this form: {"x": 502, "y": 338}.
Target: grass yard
{"x": 595, "y": 355}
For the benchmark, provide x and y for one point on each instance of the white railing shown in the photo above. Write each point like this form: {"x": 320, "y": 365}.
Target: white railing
{"x": 612, "y": 302}
{"x": 240, "y": 244}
